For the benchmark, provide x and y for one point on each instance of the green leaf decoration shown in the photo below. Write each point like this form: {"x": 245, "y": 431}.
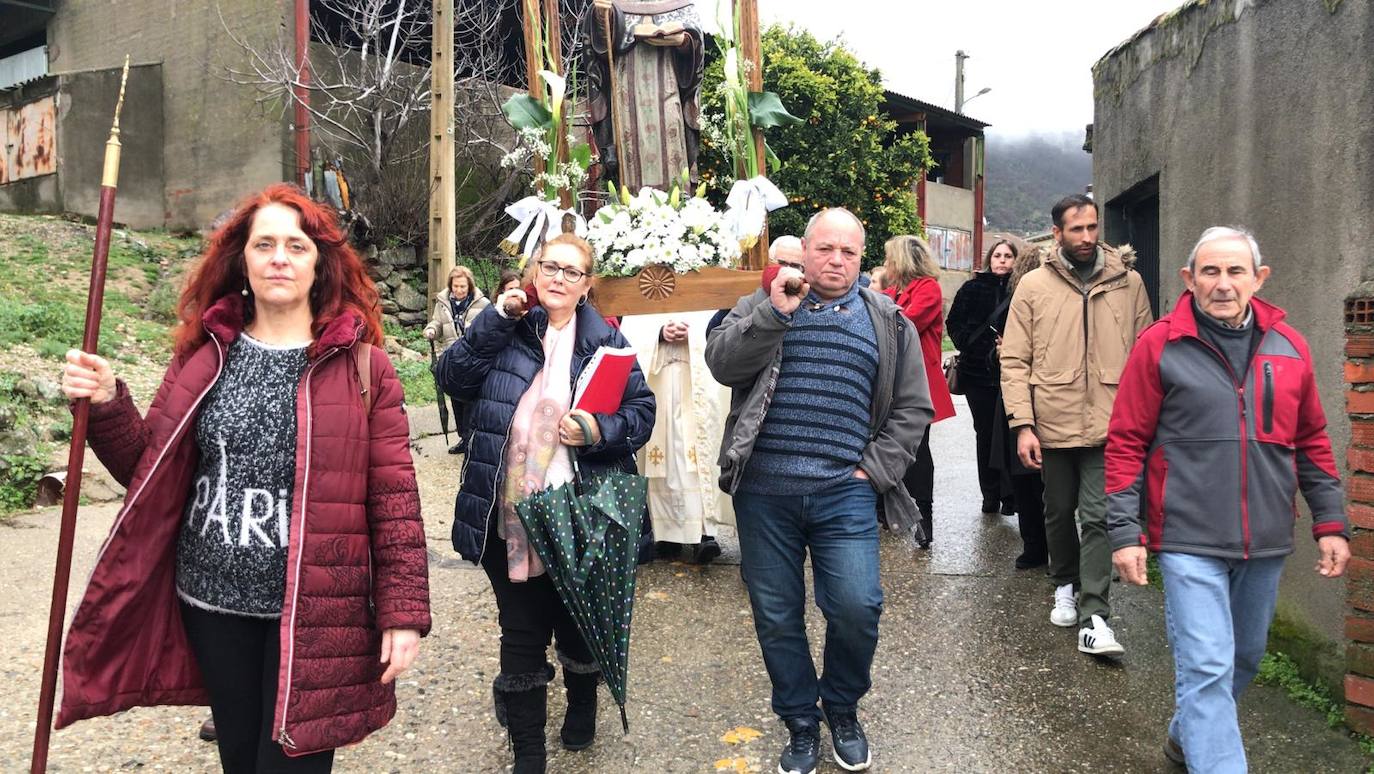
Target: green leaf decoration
{"x": 526, "y": 112}
{"x": 581, "y": 155}
{"x": 766, "y": 111}
{"x": 774, "y": 163}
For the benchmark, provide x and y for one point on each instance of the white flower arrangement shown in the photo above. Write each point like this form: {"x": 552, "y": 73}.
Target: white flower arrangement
{"x": 654, "y": 227}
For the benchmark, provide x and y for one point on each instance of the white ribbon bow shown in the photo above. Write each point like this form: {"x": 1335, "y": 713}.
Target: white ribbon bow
{"x": 540, "y": 220}
{"x": 748, "y": 205}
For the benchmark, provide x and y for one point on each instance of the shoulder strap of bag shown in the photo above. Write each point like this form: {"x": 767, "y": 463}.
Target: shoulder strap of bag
{"x": 362, "y": 359}
{"x": 1002, "y": 307}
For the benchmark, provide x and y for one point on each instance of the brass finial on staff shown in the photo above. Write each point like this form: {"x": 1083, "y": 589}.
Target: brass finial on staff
{"x": 110, "y": 177}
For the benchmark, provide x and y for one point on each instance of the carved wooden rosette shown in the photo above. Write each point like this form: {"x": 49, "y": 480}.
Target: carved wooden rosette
{"x": 658, "y": 290}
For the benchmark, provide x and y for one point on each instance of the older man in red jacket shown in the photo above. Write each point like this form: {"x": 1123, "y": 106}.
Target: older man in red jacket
{"x": 1216, "y": 427}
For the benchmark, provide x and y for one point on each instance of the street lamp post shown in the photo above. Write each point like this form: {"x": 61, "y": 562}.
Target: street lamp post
{"x": 959, "y": 101}
{"x": 980, "y": 93}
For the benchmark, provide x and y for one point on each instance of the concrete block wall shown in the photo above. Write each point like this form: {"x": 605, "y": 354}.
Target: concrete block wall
{"x": 219, "y": 144}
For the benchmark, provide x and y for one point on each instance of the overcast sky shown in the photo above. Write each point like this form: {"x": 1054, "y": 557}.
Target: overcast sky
{"x": 1035, "y": 55}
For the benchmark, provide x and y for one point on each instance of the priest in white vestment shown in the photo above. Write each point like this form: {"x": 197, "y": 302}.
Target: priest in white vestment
{"x": 685, "y": 503}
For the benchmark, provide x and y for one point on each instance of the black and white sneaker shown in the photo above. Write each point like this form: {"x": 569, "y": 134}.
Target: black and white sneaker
{"x": 1098, "y": 639}
{"x": 848, "y": 742}
{"x": 803, "y": 750}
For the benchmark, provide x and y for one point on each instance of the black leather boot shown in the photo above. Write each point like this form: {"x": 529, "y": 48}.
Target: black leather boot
{"x": 522, "y": 707}
{"x": 579, "y": 721}
{"x": 927, "y": 524}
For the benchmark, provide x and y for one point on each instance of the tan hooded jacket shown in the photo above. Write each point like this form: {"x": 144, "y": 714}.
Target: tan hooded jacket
{"x": 1065, "y": 347}
{"x": 445, "y": 331}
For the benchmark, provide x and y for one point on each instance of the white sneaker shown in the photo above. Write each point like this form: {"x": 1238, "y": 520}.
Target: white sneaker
{"x": 1065, "y": 612}
{"x": 1098, "y": 639}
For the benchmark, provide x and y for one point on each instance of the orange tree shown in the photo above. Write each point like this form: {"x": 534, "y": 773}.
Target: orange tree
{"x": 845, "y": 152}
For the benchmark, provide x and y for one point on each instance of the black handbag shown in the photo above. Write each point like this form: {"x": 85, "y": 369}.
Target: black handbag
{"x": 952, "y": 375}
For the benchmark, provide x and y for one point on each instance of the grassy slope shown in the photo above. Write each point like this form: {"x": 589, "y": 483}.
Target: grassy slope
{"x": 45, "y": 267}
{"x": 44, "y": 276}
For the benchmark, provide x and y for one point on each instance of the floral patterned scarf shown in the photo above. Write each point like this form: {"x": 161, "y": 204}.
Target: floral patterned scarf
{"x": 535, "y": 459}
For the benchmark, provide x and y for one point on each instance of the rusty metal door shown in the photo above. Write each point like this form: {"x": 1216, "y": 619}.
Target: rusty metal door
{"x": 29, "y": 133}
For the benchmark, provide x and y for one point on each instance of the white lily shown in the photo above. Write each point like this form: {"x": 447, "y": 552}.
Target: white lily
{"x": 558, "y": 90}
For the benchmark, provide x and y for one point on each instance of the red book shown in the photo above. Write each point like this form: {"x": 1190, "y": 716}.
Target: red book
{"x": 602, "y": 382}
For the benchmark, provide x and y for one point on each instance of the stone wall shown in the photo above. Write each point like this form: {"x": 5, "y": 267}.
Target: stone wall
{"x": 401, "y": 276}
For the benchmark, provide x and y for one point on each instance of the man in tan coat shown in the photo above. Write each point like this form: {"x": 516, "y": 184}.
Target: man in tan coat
{"x": 1071, "y": 324}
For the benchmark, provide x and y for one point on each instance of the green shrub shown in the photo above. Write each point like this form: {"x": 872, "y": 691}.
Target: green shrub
{"x": 872, "y": 171}
{"x": 48, "y": 325}
{"x": 416, "y": 380}
{"x": 19, "y": 474}
{"x": 161, "y": 304}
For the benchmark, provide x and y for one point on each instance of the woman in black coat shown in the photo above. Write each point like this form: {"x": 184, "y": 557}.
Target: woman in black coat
{"x": 975, "y": 323}
{"x": 518, "y": 369}
{"x": 1028, "y": 488}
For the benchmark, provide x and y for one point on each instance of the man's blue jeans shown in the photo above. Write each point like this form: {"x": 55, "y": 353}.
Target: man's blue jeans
{"x": 1217, "y": 612}
{"x": 840, "y": 527}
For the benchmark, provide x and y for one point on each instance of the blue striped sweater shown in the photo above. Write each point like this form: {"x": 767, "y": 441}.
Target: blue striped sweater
{"x": 817, "y": 423}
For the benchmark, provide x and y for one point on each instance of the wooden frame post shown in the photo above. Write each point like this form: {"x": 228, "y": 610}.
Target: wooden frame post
{"x": 543, "y": 15}
{"x": 751, "y": 46}
{"x": 442, "y": 195}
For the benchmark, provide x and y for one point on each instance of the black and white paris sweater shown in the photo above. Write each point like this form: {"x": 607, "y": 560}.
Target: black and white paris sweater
{"x": 231, "y": 553}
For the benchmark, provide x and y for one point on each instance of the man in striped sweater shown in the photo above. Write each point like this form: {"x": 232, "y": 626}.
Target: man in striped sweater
{"x": 829, "y": 403}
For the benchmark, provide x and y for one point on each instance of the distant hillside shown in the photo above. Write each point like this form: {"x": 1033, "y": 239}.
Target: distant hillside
{"x": 1027, "y": 175}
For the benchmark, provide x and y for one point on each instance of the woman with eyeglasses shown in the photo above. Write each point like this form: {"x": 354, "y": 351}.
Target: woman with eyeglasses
{"x": 517, "y": 365}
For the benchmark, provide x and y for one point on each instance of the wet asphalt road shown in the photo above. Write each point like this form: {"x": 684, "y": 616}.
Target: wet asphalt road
{"x": 969, "y": 675}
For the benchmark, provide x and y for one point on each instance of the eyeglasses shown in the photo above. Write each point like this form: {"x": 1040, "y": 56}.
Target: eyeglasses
{"x": 792, "y": 265}
{"x": 551, "y": 269}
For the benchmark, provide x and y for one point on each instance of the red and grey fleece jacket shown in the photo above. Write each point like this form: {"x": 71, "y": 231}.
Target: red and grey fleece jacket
{"x": 1201, "y": 460}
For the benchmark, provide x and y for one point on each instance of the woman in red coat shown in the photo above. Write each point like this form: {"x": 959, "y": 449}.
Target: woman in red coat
{"x": 269, "y": 558}
{"x": 910, "y": 278}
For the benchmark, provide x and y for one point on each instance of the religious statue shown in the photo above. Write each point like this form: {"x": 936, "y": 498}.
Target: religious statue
{"x": 644, "y": 74}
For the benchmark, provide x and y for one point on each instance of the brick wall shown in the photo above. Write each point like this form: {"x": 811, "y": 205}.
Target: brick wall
{"x": 1359, "y": 401}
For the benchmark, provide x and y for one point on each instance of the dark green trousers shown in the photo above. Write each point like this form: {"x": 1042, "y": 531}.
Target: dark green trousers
{"x": 1076, "y": 526}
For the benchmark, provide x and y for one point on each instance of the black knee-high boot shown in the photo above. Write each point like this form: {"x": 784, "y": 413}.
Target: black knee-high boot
{"x": 522, "y": 706}
{"x": 579, "y": 721}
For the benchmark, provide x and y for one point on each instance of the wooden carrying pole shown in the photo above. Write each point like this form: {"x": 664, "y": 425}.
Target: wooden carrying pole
{"x": 751, "y": 46}
{"x": 545, "y": 17}
{"x": 76, "y": 455}
{"x": 442, "y": 195}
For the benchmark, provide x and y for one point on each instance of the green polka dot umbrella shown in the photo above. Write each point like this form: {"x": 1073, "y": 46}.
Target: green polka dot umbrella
{"x": 588, "y": 538}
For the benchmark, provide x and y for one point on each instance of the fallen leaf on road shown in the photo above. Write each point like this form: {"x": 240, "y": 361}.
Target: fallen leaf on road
{"x": 737, "y": 765}
{"x": 741, "y": 735}
{"x": 657, "y": 596}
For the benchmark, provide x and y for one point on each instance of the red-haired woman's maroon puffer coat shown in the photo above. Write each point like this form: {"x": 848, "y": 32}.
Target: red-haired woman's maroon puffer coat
{"x": 356, "y": 561}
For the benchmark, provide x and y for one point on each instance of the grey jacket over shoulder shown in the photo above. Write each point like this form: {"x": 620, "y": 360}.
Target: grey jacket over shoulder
{"x": 745, "y": 354}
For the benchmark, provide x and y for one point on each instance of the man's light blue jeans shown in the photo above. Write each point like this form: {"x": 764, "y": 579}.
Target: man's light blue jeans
{"x": 840, "y": 527}
{"x": 1217, "y": 612}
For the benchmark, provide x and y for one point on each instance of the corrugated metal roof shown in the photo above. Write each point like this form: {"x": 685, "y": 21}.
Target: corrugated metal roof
{"x": 23, "y": 67}
{"x": 911, "y": 103}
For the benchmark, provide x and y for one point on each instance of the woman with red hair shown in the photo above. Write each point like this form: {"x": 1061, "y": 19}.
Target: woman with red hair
{"x": 269, "y": 558}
